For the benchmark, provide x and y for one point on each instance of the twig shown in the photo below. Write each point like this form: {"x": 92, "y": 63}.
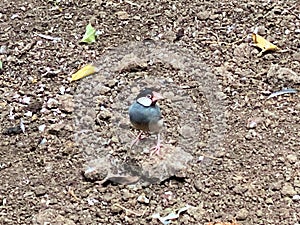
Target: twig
{"x": 130, "y": 211}
{"x": 48, "y": 37}
{"x": 71, "y": 192}
{"x": 208, "y": 156}
{"x": 132, "y": 3}
{"x": 223, "y": 42}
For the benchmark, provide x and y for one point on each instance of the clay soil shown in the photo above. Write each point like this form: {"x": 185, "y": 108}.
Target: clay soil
{"x": 252, "y": 174}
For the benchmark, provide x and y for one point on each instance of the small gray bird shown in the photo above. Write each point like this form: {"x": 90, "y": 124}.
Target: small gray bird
{"x": 145, "y": 116}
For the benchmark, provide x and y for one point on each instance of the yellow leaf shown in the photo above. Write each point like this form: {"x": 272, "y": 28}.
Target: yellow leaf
{"x": 84, "y": 71}
{"x": 263, "y": 44}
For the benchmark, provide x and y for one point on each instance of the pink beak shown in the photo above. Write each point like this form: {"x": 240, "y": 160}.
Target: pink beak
{"x": 156, "y": 96}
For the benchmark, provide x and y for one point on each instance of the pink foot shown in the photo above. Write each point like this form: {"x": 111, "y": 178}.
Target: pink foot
{"x": 156, "y": 149}
{"x": 137, "y": 139}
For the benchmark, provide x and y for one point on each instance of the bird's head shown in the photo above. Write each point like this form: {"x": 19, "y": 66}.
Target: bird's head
{"x": 148, "y": 97}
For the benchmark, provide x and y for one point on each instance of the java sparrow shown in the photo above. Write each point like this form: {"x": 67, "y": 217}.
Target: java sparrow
{"x": 145, "y": 115}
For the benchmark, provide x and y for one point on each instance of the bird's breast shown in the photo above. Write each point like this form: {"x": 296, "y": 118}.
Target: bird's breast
{"x": 145, "y": 118}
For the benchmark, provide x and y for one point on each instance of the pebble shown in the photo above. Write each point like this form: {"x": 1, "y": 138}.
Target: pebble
{"x": 52, "y": 103}
{"x": 40, "y": 190}
{"x": 269, "y": 201}
{"x": 276, "y": 186}
{"x": 42, "y": 127}
{"x": 104, "y": 115}
{"x": 56, "y": 128}
{"x": 292, "y": 158}
{"x": 242, "y": 214}
{"x": 143, "y": 199}
{"x": 259, "y": 213}
{"x": 248, "y": 136}
{"x": 288, "y": 190}
{"x": 122, "y": 15}
{"x": 297, "y": 183}
{"x": 203, "y": 15}
{"x": 116, "y": 209}
{"x": 187, "y": 131}
{"x": 198, "y": 185}
{"x": 108, "y": 197}
{"x": 66, "y": 103}
{"x": 46, "y": 215}
{"x": 127, "y": 194}
{"x": 95, "y": 174}
{"x": 296, "y": 197}
{"x": 103, "y": 89}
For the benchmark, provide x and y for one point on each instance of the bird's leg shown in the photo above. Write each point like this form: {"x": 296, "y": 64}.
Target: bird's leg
{"x": 137, "y": 139}
{"x": 156, "y": 149}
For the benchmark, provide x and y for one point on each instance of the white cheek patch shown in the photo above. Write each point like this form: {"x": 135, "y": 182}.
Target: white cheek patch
{"x": 144, "y": 101}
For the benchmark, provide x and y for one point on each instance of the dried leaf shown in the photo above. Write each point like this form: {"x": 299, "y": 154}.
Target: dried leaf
{"x": 89, "y": 36}
{"x": 1, "y": 65}
{"x": 85, "y": 71}
{"x": 167, "y": 219}
{"x": 263, "y": 44}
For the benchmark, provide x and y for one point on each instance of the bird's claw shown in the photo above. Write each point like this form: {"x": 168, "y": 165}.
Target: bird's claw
{"x": 136, "y": 141}
{"x": 156, "y": 149}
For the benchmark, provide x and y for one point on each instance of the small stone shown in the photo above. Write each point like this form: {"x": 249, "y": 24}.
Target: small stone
{"x": 40, "y": 190}
{"x": 116, "y": 209}
{"x": 253, "y": 122}
{"x": 143, "y": 199}
{"x": 28, "y": 114}
{"x": 288, "y": 190}
{"x": 248, "y": 136}
{"x": 203, "y": 15}
{"x": 216, "y": 193}
{"x": 56, "y": 128}
{"x": 46, "y": 215}
{"x": 94, "y": 174}
{"x": 41, "y": 128}
{"x": 169, "y": 36}
{"x": 108, "y": 197}
{"x": 242, "y": 214}
{"x": 104, "y": 115}
{"x": 259, "y": 213}
{"x": 297, "y": 183}
{"x": 112, "y": 83}
{"x": 276, "y": 186}
{"x": 187, "y": 131}
{"x": 66, "y": 103}
{"x": 198, "y": 185}
{"x": 292, "y": 158}
{"x": 296, "y": 197}
{"x": 122, "y": 15}
{"x": 103, "y": 90}
{"x": 52, "y": 103}
{"x": 115, "y": 139}
{"x": 127, "y": 195}
{"x": 269, "y": 201}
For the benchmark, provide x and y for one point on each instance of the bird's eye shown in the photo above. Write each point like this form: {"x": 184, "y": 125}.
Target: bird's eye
{"x": 149, "y": 96}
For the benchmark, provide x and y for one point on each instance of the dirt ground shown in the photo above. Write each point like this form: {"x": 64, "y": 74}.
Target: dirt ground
{"x": 231, "y": 153}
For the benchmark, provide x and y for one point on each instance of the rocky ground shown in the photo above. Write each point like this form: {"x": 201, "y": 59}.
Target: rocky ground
{"x": 231, "y": 152}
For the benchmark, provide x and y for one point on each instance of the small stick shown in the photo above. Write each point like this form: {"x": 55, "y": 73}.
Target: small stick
{"x": 71, "y": 192}
{"x": 130, "y": 211}
{"x": 210, "y": 157}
